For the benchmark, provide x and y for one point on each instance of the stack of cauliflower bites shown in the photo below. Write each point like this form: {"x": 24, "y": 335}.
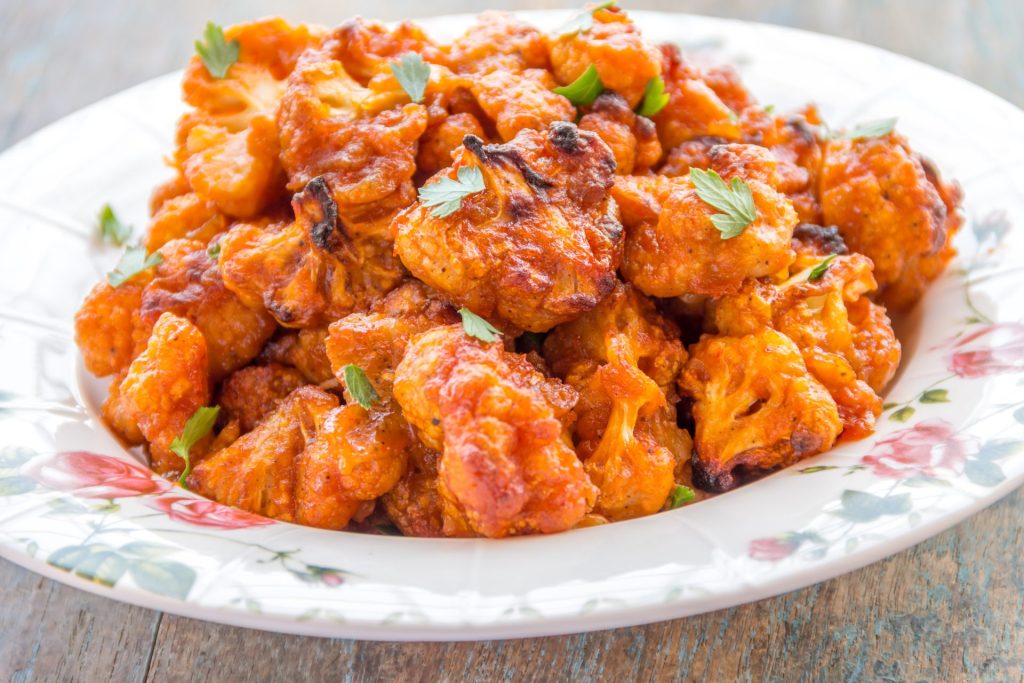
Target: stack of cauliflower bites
{"x": 519, "y": 283}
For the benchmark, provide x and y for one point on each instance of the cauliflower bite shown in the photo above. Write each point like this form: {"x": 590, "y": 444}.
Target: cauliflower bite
{"x": 694, "y": 109}
{"x": 108, "y": 326}
{"x": 756, "y": 407}
{"x": 307, "y": 272}
{"x": 441, "y": 140}
{"x": 164, "y": 386}
{"x": 516, "y": 101}
{"x": 506, "y": 463}
{"x": 498, "y": 42}
{"x": 310, "y": 461}
{"x": 633, "y": 139}
{"x": 538, "y": 246}
{"x": 361, "y": 142}
{"x": 846, "y": 340}
{"x": 247, "y": 395}
{"x": 679, "y": 250}
{"x": 365, "y": 47}
{"x": 613, "y": 45}
{"x": 376, "y": 340}
{"x": 303, "y": 350}
{"x": 189, "y": 283}
{"x": 623, "y": 358}
{"x": 414, "y": 505}
{"x": 186, "y": 216}
{"x": 891, "y": 209}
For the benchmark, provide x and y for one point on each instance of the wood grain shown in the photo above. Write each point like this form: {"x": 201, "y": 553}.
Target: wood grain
{"x": 950, "y": 609}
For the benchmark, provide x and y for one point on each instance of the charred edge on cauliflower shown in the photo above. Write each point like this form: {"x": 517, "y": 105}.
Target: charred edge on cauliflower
{"x": 325, "y": 227}
{"x": 497, "y": 154}
{"x": 824, "y": 239}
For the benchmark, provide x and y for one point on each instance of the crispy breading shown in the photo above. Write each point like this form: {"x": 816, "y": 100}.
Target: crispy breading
{"x": 498, "y": 41}
{"x": 304, "y": 350}
{"x": 694, "y": 109}
{"x": 538, "y": 245}
{"x": 506, "y": 463}
{"x": 633, "y": 139}
{"x": 108, "y": 326}
{"x": 249, "y": 394}
{"x": 186, "y": 216}
{"x": 515, "y": 101}
{"x": 440, "y": 141}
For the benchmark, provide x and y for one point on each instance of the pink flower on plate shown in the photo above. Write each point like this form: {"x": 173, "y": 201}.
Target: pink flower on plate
{"x": 88, "y": 475}
{"x": 919, "y": 451}
{"x": 991, "y": 350}
{"x": 771, "y": 549}
{"x": 207, "y": 513}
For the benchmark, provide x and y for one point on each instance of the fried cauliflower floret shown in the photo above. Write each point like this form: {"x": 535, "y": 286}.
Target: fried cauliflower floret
{"x": 187, "y": 216}
{"x": 108, "y": 328}
{"x": 188, "y": 283}
{"x": 414, "y": 505}
{"x": 515, "y": 101}
{"x": 307, "y": 272}
{"x": 303, "y": 350}
{"x": 441, "y": 140}
{"x": 613, "y": 45}
{"x": 756, "y": 407}
{"x": 365, "y": 47}
{"x": 361, "y": 142}
{"x": 682, "y": 252}
{"x": 633, "y": 139}
{"x": 164, "y": 386}
{"x": 247, "y": 395}
{"x": 813, "y": 243}
{"x": 694, "y": 109}
{"x": 505, "y": 460}
{"x": 375, "y": 341}
{"x": 310, "y": 461}
{"x": 694, "y": 153}
{"x": 725, "y": 81}
{"x": 825, "y": 317}
{"x": 498, "y": 42}
{"x": 538, "y": 246}
{"x": 879, "y": 194}
{"x": 623, "y": 358}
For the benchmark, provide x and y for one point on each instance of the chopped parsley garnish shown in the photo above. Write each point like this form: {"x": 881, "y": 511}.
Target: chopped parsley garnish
{"x": 111, "y": 228}
{"x": 681, "y": 495}
{"x": 412, "y": 74}
{"x": 871, "y": 129}
{"x": 585, "y": 89}
{"x": 133, "y": 261}
{"x": 734, "y": 201}
{"x": 198, "y": 426}
{"x": 655, "y": 97}
{"x": 359, "y": 386}
{"x": 477, "y": 327}
{"x": 446, "y": 194}
{"x": 217, "y": 54}
{"x": 583, "y": 20}
{"x": 213, "y": 251}
{"x": 819, "y": 270}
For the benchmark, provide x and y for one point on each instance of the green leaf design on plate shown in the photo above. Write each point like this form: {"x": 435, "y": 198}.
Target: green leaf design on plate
{"x": 984, "y": 472}
{"x": 997, "y": 449}
{"x": 65, "y": 506}
{"x": 903, "y": 414}
{"x": 146, "y": 551}
{"x": 861, "y": 506}
{"x": 1018, "y": 415}
{"x": 935, "y": 396}
{"x": 68, "y": 557}
{"x": 15, "y": 456}
{"x": 16, "y": 485}
{"x": 104, "y": 567}
{"x": 163, "y": 577}
{"x": 817, "y": 468}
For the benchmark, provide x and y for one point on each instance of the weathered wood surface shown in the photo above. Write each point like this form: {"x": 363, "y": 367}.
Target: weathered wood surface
{"x": 950, "y": 609}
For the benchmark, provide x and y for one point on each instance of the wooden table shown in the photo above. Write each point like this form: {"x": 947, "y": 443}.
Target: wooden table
{"x": 948, "y": 609}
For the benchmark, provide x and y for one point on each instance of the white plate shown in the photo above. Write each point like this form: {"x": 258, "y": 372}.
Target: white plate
{"x": 71, "y": 497}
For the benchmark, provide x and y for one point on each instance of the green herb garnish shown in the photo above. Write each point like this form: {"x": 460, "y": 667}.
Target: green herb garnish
{"x": 819, "y": 270}
{"x": 585, "y": 89}
{"x": 412, "y": 74}
{"x": 198, "y": 426}
{"x": 213, "y": 251}
{"x": 133, "y": 261}
{"x": 681, "y": 495}
{"x": 217, "y": 54}
{"x": 477, "y": 327}
{"x": 582, "y": 21}
{"x": 734, "y": 200}
{"x": 655, "y": 97}
{"x": 871, "y": 129}
{"x": 359, "y": 386}
{"x": 446, "y": 194}
{"x": 111, "y": 228}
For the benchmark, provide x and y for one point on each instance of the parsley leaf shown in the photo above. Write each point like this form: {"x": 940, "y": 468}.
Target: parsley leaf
{"x": 477, "y": 327}
{"x": 213, "y": 251}
{"x": 217, "y": 54}
{"x": 446, "y": 194}
{"x": 735, "y": 200}
{"x": 655, "y": 97}
{"x": 681, "y": 495}
{"x": 359, "y": 386}
{"x": 198, "y": 426}
{"x": 412, "y": 74}
{"x": 582, "y": 20}
{"x": 819, "y": 270}
{"x": 133, "y": 261}
{"x": 585, "y": 89}
{"x": 770, "y": 109}
{"x": 111, "y": 228}
{"x": 871, "y": 129}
